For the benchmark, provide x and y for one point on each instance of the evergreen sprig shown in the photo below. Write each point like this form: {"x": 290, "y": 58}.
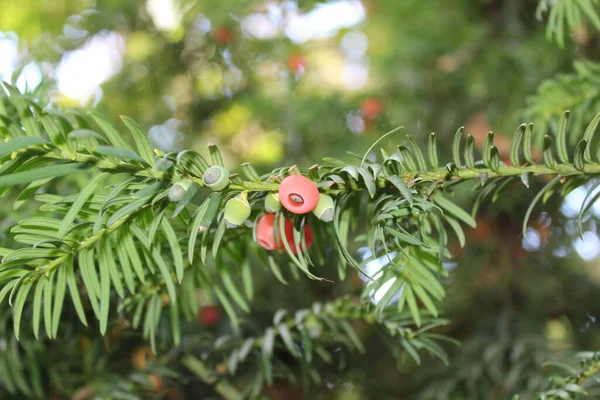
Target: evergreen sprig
{"x": 567, "y": 15}
{"x": 573, "y": 385}
{"x": 312, "y": 337}
{"x": 122, "y": 237}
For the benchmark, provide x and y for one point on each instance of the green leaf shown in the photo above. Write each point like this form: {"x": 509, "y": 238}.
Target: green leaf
{"x": 453, "y": 209}
{"x": 379, "y": 140}
{"x": 457, "y": 230}
{"x": 86, "y": 134}
{"x": 247, "y": 279}
{"x": 525, "y": 178}
{"x": 52, "y": 171}
{"x": 175, "y": 324}
{"x": 227, "y": 307}
{"x": 74, "y": 291}
{"x": 250, "y": 172}
{"x": 190, "y": 162}
{"x": 215, "y": 155}
{"x": 60, "y": 289}
{"x": 578, "y": 156}
{"x": 432, "y": 151}
{"x": 456, "y": 146}
{"x": 115, "y": 138}
{"x": 83, "y": 196}
{"x": 53, "y": 130}
{"x": 186, "y": 199}
{"x": 420, "y": 159}
{"x": 28, "y": 192}
{"x": 469, "y": 152}
{"x": 369, "y": 181}
{"x": 104, "y": 299}
{"x": 218, "y": 236}
{"x": 588, "y": 135}
{"x": 202, "y": 219}
{"x": 352, "y": 336}
{"x": 169, "y": 232}
{"x": 486, "y": 150}
{"x": 123, "y": 260}
{"x": 561, "y": 138}
{"x": 134, "y": 257}
{"x": 118, "y": 152}
{"x": 233, "y": 290}
{"x": 18, "y": 306}
{"x": 537, "y": 197}
{"x": 19, "y": 143}
{"x": 405, "y": 236}
{"x": 407, "y": 159}
{"x": 268, "y": 342}
{"x": 276, "y": 270}
{"x": 549, "y": 160}
{"x": 494, "y": 158}
{"x": 412, "y": 304}
{"x": 48, "y": 289}
{"x": 164, "y": 271}
{"x": 125, "y": 211}
{"x": 37, "y": 306}
{"x": 401, "y": 186}
{"x": 286, "y": 337}
{"x": 516, "y": 144}
{"x": 106, "y": 260}
{"x": 141, "y": 141}
{"x": 425, "y": 299}
{"x": 527, "y": 143}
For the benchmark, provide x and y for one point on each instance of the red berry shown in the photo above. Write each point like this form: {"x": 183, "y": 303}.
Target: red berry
{"x": 289, "y": 235}
{"x": 265, "y": 235}
{"x": 210, "y": 316}
{"x": 296, "y": 63}
{"x": 223, "y": 35}
{"x": 371, "y": 108}
{"x": 298, "y": 194}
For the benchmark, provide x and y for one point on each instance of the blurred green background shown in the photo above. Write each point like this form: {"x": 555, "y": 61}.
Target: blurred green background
{"x": 290, "y": 82}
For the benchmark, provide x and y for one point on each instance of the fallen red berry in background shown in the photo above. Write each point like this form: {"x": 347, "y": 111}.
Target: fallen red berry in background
{"x": 371, "y": 108}
{"x": 296, "y": 63}
{"x": 298, "y": 194}
{"x": 223, "y": 35}
{"x": 210, "y": 316}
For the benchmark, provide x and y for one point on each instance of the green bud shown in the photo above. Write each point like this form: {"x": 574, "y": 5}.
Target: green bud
{"x": 325, "y": 208}
{"x": 272, "y": 204}
{"x": 237, "y": 211}
{"x": 178, "y": 190}
{"x": 216, "y": 178}
{"x": 313, "y": 326}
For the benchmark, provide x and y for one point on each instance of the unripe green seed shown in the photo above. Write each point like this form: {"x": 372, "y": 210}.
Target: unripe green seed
{"x": 272, "y": 203}
{"x": 237, "y": 211}
{"x": 216, "y": 178}
{"x": 325, "y": 208}
{"x": 178, "y": 190}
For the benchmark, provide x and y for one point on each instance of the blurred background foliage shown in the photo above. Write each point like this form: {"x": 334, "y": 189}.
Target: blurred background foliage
{"x": 290, "y": 82}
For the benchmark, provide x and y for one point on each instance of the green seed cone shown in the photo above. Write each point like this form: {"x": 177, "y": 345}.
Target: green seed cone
{"x": 272, "y": 204}
{"x": 216, "y": 178}
{"x": 325, "y": 209}
{"x": 178, "y": 190}
{"x": 237, "y": 211}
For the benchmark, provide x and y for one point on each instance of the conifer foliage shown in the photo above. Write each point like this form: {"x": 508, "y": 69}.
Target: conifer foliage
{"x": 133, "y": 242}
{"x": 116, "y": 236}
